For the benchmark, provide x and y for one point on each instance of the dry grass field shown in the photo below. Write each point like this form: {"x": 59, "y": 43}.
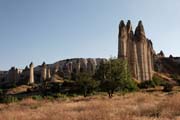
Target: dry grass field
{"x": 132, "y": 106}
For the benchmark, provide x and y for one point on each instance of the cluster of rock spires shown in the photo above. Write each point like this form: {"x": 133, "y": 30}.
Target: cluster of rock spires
{"x": 133, "y": 47}
{"x": 77, "y": 65}
{"x": 44, "y": 72}
{"x": 137, "y": 50}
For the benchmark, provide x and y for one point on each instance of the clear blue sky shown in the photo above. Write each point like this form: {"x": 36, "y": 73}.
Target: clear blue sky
{"x": 51, "y": 30}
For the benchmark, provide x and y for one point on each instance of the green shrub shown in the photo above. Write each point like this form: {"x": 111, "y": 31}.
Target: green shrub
{"x": 1, "y": 92}
{"x": 73, "y": 95}
{"x": 86, "y": 83}
{"x": 168, "y": 87}
{"x": 55, "y": 87}
{"x": 147, "y": 84}
{"x": 176, "y": 78}
{"x": 50, "y": 97}
{"x": 156, "y": 81}
{"x": 130, "y": 86}
{"x": 8, "y": 99}
{"x": 37, "y": 97}
{"x": 59, "y": 95}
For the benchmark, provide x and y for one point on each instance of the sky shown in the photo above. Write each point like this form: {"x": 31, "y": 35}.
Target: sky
{"x": 52, "y": 30}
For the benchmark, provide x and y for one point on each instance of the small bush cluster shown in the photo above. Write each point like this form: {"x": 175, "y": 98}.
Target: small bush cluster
{"x": 37, "y": 97}
{"x": 176, "y": 78}
{"x": 147, "y": 84}
{"x": 168, "y": 87}
{"x": 8, "y": 99}
{"x": 156, "y": 81}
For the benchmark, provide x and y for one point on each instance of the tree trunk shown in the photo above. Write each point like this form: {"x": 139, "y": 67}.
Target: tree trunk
{"x": 85, "y": 91}
{"x": 110, "y": 93}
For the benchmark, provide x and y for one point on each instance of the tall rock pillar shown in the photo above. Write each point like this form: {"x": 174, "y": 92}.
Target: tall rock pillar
{"x": 150, "y": 58}
{"x": 31, "y": 75}
{"x": 143, "y": 52}
{"x": 122, "y": 39}
{"x": 43, "y": 72}
{"x": 132, "y": 52}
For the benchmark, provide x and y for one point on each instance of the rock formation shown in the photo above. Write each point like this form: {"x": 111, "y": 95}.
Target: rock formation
{"x": 160, "y": 54}
{"x": 48, "y": 73}
{"x": 43, "y": 72}
{"x": 77, "y": 65}
{"x": 167, "y": 65}
{"x": 13, "y": 75}
{"x": 91, "y": 65}
{"x": 31, "y": 76}
{"x": 137, "y": 50}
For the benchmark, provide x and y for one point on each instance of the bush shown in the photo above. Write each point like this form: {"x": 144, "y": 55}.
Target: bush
{"x": 156, "y": 81}
{"x": 1, "y": 92}
{"x": 50, "y": 98}
{"x": 59, "y": 95}
{"x": 147, "y": 84}
{"x": 48, "y": 88}
{"x": 176, "y": 78}
{"x": 128, "y": 86}
{"x": 8, "y": 99}
{"x": 168, "y": 87}
{"x": 86, "y": 83}
{"x": 37, "y": 97}
{"x": 55, "y": 87}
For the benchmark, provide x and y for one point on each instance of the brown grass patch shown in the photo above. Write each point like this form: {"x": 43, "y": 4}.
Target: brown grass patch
{"x": 133, "y": 106}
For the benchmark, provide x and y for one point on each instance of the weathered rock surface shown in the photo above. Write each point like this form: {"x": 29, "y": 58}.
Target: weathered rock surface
{"x": 160, "y": 54}
{"x": 167, "y": 65}
{"x": 76, "y": 65}
{"x": 31, "y": 76}
{"x": 137, "y": 50}
{"x": 64, "y": 68}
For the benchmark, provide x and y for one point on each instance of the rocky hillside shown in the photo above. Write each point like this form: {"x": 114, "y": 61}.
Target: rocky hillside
{"x": 168, "y": 65}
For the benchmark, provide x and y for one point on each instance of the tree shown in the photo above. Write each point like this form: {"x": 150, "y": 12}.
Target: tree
{"x": 114, "y": 75}
{"x": 86, "y": 83}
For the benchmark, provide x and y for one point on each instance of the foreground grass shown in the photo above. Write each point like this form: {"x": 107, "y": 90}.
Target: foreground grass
{"x": 132, "y": 106}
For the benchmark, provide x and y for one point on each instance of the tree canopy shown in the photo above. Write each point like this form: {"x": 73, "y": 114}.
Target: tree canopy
{"x": 114, "y": 75}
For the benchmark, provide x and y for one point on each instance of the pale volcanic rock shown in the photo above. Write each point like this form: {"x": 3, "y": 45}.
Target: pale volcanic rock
{"x": 137, "y": 50}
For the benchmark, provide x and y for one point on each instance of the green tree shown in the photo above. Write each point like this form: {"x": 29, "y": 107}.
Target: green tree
{"x": 114, "y": 75}
{"x": 86, "y": 83}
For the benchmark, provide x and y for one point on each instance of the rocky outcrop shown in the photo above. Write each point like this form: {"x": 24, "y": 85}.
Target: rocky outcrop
{"x": 167, "y": 65}
{"x": 76, "y": 65}
{"x": 13, "y": 75}
{"x": 64, "y": 68}
{"x": 137, "y": 50}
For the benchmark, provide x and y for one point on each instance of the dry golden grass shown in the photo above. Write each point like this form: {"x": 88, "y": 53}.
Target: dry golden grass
{"x": 133, "y": 106}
